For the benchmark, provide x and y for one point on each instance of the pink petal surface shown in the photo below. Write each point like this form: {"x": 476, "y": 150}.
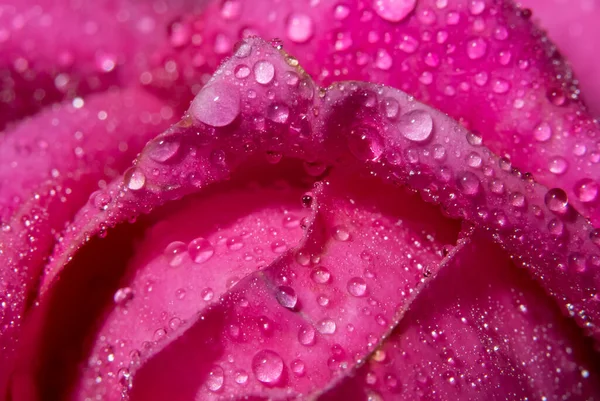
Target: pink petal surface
{"x": 49, "y": 178}
{"x": 483, "y": 62}
{"x": 51, "y": 50}
{"x": 572, "y": 26}
{"x": 260, "y": 101}
{"x": 482, "y": 330}
{"x": 312, "y": 315}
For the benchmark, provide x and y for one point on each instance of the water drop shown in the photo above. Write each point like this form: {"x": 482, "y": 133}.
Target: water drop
{"x": 557, "y": 201}
{"x": 299, "y": 27}
{"x": 278, "y": 112}
{"x": 286, "y": 296}
{"x": 200, "y": 250}
{"x": 134, "y": 179}
{"x": 390, "y": 107}
{"x": 321, "y": 275}
{"x": 468, "y": 183}
{"x": 306, "y": 335}
{"x": 163, "y": 150}
{"x": 174, "y": 253}
{"x": 416, "y": 126}
{"x": 216, "y": 105}
{"x": 558, "y": 165}
{"x": 215, "y": 379}
{"x": 357, "y": 287}
{"x": 383, "y": 60}
{"x": 543, "y": 132}
{"x": 298, "y": 367}
{"x": 235, "y": 243}
{"x": 365, "y": 143}
{"x": 123, "y": 295}
{"x": 586, "y": 190}
{"x": 267, "y": 366}
{"x": 264, "y": 72}
{"x": 326, "y": 326}
{"x": 207, "y": 294}
{"x": 394, "y": 10}
{"x": 242, "y": 71}
{"x": 241, "y": 377}
{"x": 341, "y": 233}
{"x": 476, "y": 48}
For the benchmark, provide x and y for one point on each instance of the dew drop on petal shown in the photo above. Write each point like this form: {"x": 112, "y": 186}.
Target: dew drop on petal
{"x": 215, "y": 379}
{"x": 394, "y": 10}
{"x": 543, "y": 132}
{"x": 306, "y": 335}
{"x": 134, "y": 179}
{"x": 586, "y": 190}
{"x": 216, "y": 105}
{"x": 357, "y": 287}
{"x": 286, "y": 296}
{"x": 321, "y": 275}
{"x": 298, "y": 367}
{"x": 264, "y": 72}
{"x": 558, "y": 165}
{"x": 163, "y": 150}
{"x": 557, "y": 201}
{"x": 326, "y": 326}
{"x": 123, "y": 295}
{"x": 278, "y": 113}
{"x": 416, "y": 126}
{"x": 468, "y": 183}
{"x": 174, "y": 253}
{"x": 267, "y": 366}
{"x": 200, "y": 250}
{"x": 476, "y": 48}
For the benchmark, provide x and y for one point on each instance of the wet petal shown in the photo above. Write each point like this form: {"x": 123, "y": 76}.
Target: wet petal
{"x": 52, "y": 50}
{"x": 275, "y": 107}
{"x": 482, "y": 325}
{"x": 482, "y": 62}
{"x": 573, "y": 27}
{"x": 49, "y": 178}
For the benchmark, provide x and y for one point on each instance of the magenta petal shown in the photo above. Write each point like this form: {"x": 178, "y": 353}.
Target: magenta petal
{"x": 51, "y": 176}
{"x": 52, "y": 50}
{"x": 482, "y": 62}
{"x": 309, "y": 318}
{"x": 481, "y": 329}
{"x": 573, "y": 27}
{"x": 261, "y": 104}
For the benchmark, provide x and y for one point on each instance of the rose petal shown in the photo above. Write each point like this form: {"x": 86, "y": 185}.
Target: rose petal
{"x": 52, "y": 50}
{"x": 349, "y": 124}
{"x": 481, "y": 327}
{"x": 48, "y": 180}
{"x": 307, "y": 319}
{"x": 572, "y": 26}
{"x": 482, "y": 62}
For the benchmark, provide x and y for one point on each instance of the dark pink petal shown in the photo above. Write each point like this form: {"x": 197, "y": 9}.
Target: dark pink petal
{"x": 482, "y": 62}
{"x": 261, "y": 104}
{"x": 51, "y": 50}
{"x": 573, "y": 27}
{"x": 49, "y": 178}
{"x": 481, "y": 329}
{"x": 309, "y": 318}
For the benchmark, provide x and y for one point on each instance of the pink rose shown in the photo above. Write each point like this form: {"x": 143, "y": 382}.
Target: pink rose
{"x": 388, "y": 199}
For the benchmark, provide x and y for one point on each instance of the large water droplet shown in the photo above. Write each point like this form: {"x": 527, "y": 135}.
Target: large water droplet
{"x": 174, "y": 252}
{"x": 468, "y": 183}
{"x": 163, "y": 150}
{"x": 267, "y": 366}
{"x": 134, "y": 179}
{"x": 216, "y": 105}
{"x": 357, "y": 287}
{"x": 558, "y": 165}
{"x": 557, "y": 201}
{"x": 476, "y": 48}
{"x": 264, "y": 72}
{"x": 416, "y": 126}
{"x": 586, "y": 190}
{"x": 321, "y": 275}
{"x": 365, "y": 143}
{"x": 306, "y": 335}
{"x": 326, "y": 326}
{"x": 286, "y": 296}
{"x": 278, "y": 112}
{"x": 299, "y": 27}
{"x": 394, "y": 10}
{"x": 200, "y": 250}
{"x": 215, "y": 379}
{"x": 543, "y": 132}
